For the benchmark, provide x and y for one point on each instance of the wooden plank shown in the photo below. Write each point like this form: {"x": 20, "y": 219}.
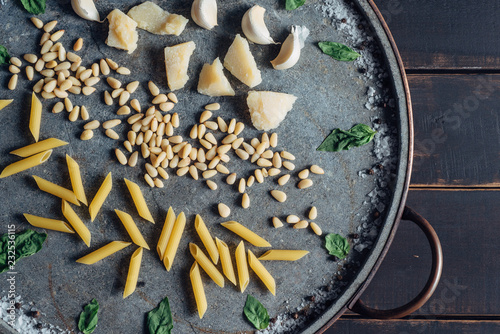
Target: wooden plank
{"x": 457, "y": 130}
{"x": 428, "y": 326}
{"x": 445, "y": 34}
{"x": 468, "y": 226}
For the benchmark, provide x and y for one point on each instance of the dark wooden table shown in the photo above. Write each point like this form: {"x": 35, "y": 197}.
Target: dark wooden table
{"x": 451, "y": 51}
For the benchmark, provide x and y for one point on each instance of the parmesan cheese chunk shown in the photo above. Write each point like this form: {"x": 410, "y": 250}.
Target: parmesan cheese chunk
{"x": 213, "y": 82}
{"x": 240, "y": 62}
{"x": 269, "y": 109}
{"x": 122, "y": 31}
{"x": 151, "y": 17}
{"x": 177, "y": 62}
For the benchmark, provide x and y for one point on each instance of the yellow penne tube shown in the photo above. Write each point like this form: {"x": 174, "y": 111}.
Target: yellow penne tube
{"x": 246, "y": 234}
{"x": 5, "y": 103}
{"x": 56, "y": 190}
{"x": 76, "y": 180}
{"x": 49, "y": 224}
{"x": 165, "y": 233}
{"x": 199, "y": 292}
{"x": 25, "y": 164}
{"x": 133, "y": 273}
{"x": 283, "y": 255}
{"x": 100, "y": 196}
{"x": 206, "y": 239}
{"x": 225, "y": 260}
{"x": 174, "y": 240}
{"x": 262, "y": 272}
{"x": 76, "y": 222}
{"x": 35, "y": 116}
{"x": 242, "y": 267}
{"x": 139, "y": 201}
{"x": 206, "y": 264}
{"x": 41, "y": 146}
{"x": 132, "y": 229}
{"x": 103, "y": 252}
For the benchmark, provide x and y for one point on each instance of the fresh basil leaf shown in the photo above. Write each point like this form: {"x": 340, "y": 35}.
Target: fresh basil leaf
{"x": 337, "y": 245}
{"x": 4, "y": 55}
{"x": 14, "y": 247}
{"x": 294, "y": 4}
{"x": 338, "y": 51}
{"x": 34, "y": 6}
{"x": 88, "y": 318}
{"x": 160, "y": 319}
{"x": 256, "y": 313}
{"x": 338, "y": 140}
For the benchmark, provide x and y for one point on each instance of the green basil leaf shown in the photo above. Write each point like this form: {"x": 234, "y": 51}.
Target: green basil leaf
{"x": 14, "y": 247}
{"x": 4, "y": 55}
{"x": 88, "y": 318}
{"x": 337, "y": 245}
{"x": 256, "y": 313}
{"x": 294, "y": 4}
{"x": 34, "y": 6}
{"x": 338, "y": 51}
{"x": 338, "y": 140}
{"x": 160, "y": 319}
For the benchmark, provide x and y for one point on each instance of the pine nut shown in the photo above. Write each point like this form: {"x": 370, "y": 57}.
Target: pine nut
{"x": 132, "y": 87}
{"x": 50, "y": 86}
{"x": 175, "y": 120}
{"x": 95, "y": 69}
{"x": 48, "y": 96}
{"x": 124, "y": 110}
{"x": 163, "y": 173}
{"x": 111, "y": 123}
{"x": 250, "y": 181}
{"x": 16, "y": 61}
{"x": 273, "y": 140}
{"x": 193, "y": 172}
{"x": 284, "y": 179}
{"x": 57, "y": 35}
{"x": 182, "y": 171}
{"x": 158, "y": 183}
{"x": 92, "y": 125}
{"x": 113, "y": 65}
{"x": 153, "y": 88}
{"x": 132, "y": 160}
{"x": 123, "y": 71}
{"x": 127, "y": 146}
{"x": 306, "y": 183}
{"x": 287, "y": 155}
{"x": 149, "y": 180}
{"x": 303, "y": 174}
{"x": 113, "y": 83}
{"x": 87, "y": 134}
{"x": 205, "y": 116}
{"x": 223, "y": 149}
{"x": 292, "y": 219}
{"x": 288, "y": 165}
{"x": 37, "y": 22}
{"x": 222, "y": 124}
{"x": 84, "y": 113}
{"x": 268, "y": 154}
{"x": 248, "y": 148}
{"x": 73, "y": 115}
{"x": 108, "y": 100}
{"x": 49, "y": 26}
{"x": 85, "y": 75}
{"x": 231, "y": 126}
{"x": 124, "y": 96}
{"x": 117, "y": 92}
{"x": 14, "y": 69}
{"x": 136, "y": 105}
{"x": 134, "y": 118}
{"x": 316, "y": 229}
{"x": 201, "y": 155}
{"x": 169, "y": 129}
{"x": 229, "y": 139}
{"x": 206, "y": 144}
{"x": 66, "y": 84}
{"x": 278, "y": 195}
{"x": 45, "y": 37}
{"x": 37, "y": 88}
{"x": 201, "y": 166}
{"x": 166, "y": 106}
{"x": 315, "y": 169}
{"x": 112, "y": 134}
{"x": 30, "y": 58}
{"x": 245, "y": 201}
{"x": 212, "y": 106}
{"x": 261, "y": 162}
{"x": 184, "y": 152}
{"x": 277, "y": 223}
{"x": 301, "y": 225}
{"x": 224, "y": 210}
{"x": 242, "y": 186}
{"x": 91, "y": 81}
{"x": 222, "y": 169}
{"x": 160, "y": 98}
{"x": 258, "y": 176}
{"x": 255, "y": 142}
{"x": 88, "y": 90}
{"x": 13, "y": 82}
{"x": 211, "y": 125}
{"x": 60, "y": 93}
{"x": 273, "y": 171}
{"x": 61, "y": 54}
{"x": 214, "y": 162}
{"x": 277, "y": 163}
{"x": 209, "y": 173}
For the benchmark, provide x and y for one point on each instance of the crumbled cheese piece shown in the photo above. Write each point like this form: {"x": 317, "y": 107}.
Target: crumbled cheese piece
{"x": 151, "y": 17}
{"x": 122, "y": 31}
{"x": 240, "y": 62}
{"x": 213, "y": 82}
{"x": 177, "y": 62}
{"x": 269, "y": 109}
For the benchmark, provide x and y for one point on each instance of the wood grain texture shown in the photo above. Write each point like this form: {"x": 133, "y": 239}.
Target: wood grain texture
{"x": 457, "y": 130}
{"x": 445, "y": 34}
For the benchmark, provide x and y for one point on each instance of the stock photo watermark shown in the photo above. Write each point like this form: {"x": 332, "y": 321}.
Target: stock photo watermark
{"x": 11, "y": 274}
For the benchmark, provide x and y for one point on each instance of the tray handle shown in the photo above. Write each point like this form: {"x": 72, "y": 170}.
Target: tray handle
{"x": 431, "y": 285}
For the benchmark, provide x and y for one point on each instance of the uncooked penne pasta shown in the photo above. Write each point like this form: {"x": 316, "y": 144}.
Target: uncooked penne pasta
{"x": 49, "y": 224}
{"x": 262, "y": 272}
{"x": 56, "y": 190}
{"x": 100, "y": 196}
{"x": 206, "y": 264}
{"x": 132, "y": 229}
{"x": 165, "y": 233}
{"x": 41, "y": 146}
{"x": 35, "y": 116}
{"x": 76, "y": 222}
{"x": 174, "y": 240}
{"x": 133, "y": 273}
{"x": 25, "y": 164}
{"x": 139, "y": 201}
{"x": 246, "y": 234}
{"x": 242, "y": 267}
{"x": 76, "y": 180}
{"x": 283, "y": 255}
{"x": 199, "y": 292}
{"x": 103, "y": 252}
{"x": 225, "y": 260}
{"x": 206, "y": 239}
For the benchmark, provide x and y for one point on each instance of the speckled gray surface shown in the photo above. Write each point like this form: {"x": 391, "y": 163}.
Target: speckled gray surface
{"x": 330, "y": 94}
